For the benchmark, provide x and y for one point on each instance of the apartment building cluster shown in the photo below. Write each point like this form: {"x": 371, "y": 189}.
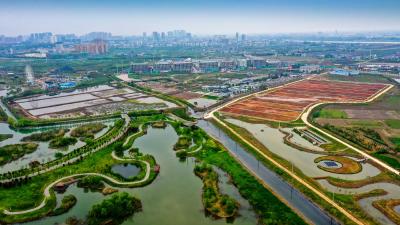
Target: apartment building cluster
{"x": 198, "y": 66}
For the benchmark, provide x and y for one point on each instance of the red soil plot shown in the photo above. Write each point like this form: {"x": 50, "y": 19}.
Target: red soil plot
{"x": 288, "y": 102}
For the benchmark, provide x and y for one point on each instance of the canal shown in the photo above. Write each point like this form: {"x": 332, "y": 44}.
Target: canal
{"x": 293, "y": 197}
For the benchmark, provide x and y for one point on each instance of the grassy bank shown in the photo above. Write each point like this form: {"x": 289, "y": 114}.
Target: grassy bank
{"x": 314, "y": 197}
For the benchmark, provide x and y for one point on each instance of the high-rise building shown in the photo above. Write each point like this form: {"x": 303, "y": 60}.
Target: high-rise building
{"x": 41, "y": 37}
{"x": 95, "y": 47}
{"x": 53, "y": 39}
{"x": 97, "y": 35}
{"x": 237, "y": 36}
{"x": 144, "y": 35}
{"x": 156, "y": 36}
{"x": 162, "y": 35}
{"x": 243, "y": 37}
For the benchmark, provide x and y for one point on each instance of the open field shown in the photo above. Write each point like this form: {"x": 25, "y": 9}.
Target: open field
{"x": 288, "y": 102}
{"x": 370, "y": 124}
{"x": 102, "y": 99}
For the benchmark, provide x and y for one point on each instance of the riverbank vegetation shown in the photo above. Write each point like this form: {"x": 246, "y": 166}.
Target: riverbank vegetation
{"x": 387, "y": 208}
{"x": 93, "y": 183}
{"x": 67, "y": 203}
{"x": 3, "y": 115}
{"x": 313, "y": 196}
{"x": 87, "y": 130}
{"x": 159, "y": 124}
{"x": 13, "y": 152}
{"x": 62, "y": 142}
{"x": 267, "y": 206}
{"x": 219, "y": 205}
{"x": 4, "y": 137}
{"x": 182, "y": 143}
{"x": 79, "y": 152}
{"x": 46, "y": 136}
{"x": 30, "y": 190}
{"x": 114, "y": 210}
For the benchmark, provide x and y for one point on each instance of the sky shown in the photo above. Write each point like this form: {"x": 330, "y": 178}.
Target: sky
{"x": 133, "y": 17}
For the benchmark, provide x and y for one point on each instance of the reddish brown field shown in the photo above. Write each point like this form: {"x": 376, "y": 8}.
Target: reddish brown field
{"x": 288, "y": 102}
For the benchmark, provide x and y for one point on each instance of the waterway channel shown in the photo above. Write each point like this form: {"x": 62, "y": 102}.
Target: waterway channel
{"x": 293, "y": 197}
{"x": 174, "y": 198}
{"x": 43, "y": 152}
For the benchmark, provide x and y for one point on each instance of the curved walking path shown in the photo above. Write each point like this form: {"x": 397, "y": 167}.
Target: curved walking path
{"x": 47, "y": 192}
{"x": 198, "y": 148}
{"x": 72, "y": 160}
{"x": 47, "y": 189}
{"x": 304, "y": 116}
{"x": 133, "y": 135}
{"x": 287, "y": 171}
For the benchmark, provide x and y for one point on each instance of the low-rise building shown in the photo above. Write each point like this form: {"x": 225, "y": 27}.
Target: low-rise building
{"x": 140, "y": 68}
{"x": 310, "y": 68}
{"x": 185, "y": 67}
{"x": 344, "y": 72}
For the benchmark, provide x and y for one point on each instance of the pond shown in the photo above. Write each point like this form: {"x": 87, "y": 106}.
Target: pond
{"x": 126, "y": 170}
{"x": 393, "y": 192}
{"x": 281, "y": 188}
{"x": 330, "y": 164}
{"x": 174, "y": 198}
{"x": 273, "y": 139}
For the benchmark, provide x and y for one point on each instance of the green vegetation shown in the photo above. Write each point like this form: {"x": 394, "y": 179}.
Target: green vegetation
{"x": 370, "y": 78}
{"x": 13, "y": 152}
{"x": 58, "y": 155}
{"x": 5, "y": 137}
{"x": 93, "y": 183}
{"x": 367, "y": 123}
{"x": 372, "y": 193}
{"x": 182, "y": 113}
{"x": 387, "y": 159}
{"x": 396, "y": 141}
{"x": 365, "y": 138}
{"x": 387, "y": 208}
{"x": 3, "y": 115}
{"x": 159, "y": 124}
{"x": 45, "y": 136}
{"x": 181, "y": 154}
{"x": 270, "y": 209}
{"x": 182, "y": 143}
{"x": 394, "y": 124}
{"x": 267, "y": 206}
{"x": 212, "y": 97}
{"x": 114, "y": 210}
{"x": 215, "y": 203}
{"x": 62, "y": 142}
{"x": 87, "y": 130}
{"x": 332, "y": 114}
{"x": 314, "y": 197}
{"x": 67, "y": 203}
{"x": 30, "y": 190}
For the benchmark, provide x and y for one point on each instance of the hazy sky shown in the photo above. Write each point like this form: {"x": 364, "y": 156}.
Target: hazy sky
{"x": 198, "y": 16}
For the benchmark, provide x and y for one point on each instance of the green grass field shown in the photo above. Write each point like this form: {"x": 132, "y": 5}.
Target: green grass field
{"x": 332, "y": 114}
{"x": 370, "y": 78}
{"x": 367, "y": 123}
{"x": 394, "y": 124}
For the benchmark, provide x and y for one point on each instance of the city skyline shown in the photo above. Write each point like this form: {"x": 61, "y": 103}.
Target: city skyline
{"x": 208, "y": 17}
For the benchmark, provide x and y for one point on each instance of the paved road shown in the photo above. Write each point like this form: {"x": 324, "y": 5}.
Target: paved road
{"x": 210, "y": 115}
{"x": 305, "y": 115}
